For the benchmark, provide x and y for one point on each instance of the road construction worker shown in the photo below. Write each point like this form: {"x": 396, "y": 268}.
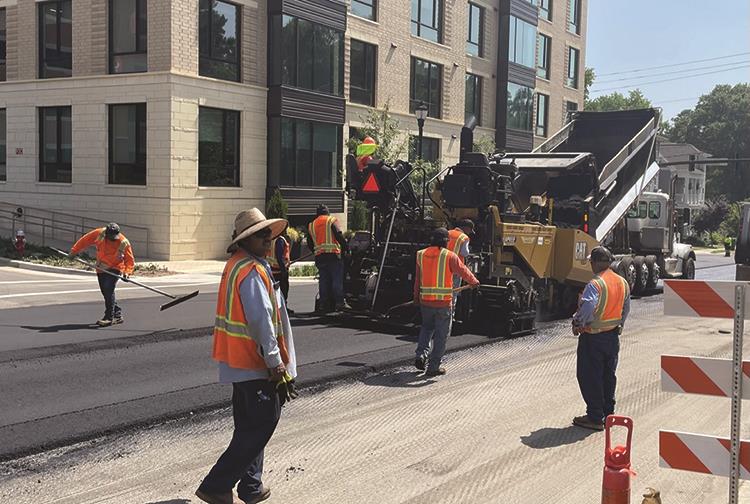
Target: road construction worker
{"x": 113, "y": 254}
{"x": 727, "y": 246}
{"x": 602, "y": 310}
{"x": 327, "y": 242}
{"x": 365, "y": 150}
{"x": 254, "y": 348}
{"x": 279, "y": 259}
{"x": 433, "y": 293}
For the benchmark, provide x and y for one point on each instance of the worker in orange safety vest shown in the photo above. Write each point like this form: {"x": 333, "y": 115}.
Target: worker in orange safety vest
{"x": 114, "y": 254}
{"x": 433, "y": 293}
{"x": 327, "y": 242}
{"x": 598, "y": 322}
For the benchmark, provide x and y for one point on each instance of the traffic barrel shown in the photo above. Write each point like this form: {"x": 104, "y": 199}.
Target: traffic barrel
{"x": 617, "y": 471}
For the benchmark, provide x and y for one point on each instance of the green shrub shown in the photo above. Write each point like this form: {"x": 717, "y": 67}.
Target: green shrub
{"x": 305, "y": 270}
{"x": 277, "y": 207}
{"x": 357, "y": 215}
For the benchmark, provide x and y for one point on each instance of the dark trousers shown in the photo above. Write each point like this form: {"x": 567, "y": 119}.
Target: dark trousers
{"x": 331, "y": 282}
{"x": 256, "y": 411}
{"x": 595, "y": 370}
{"x": 107, "y": 285}
{"x": 283, "y": 278}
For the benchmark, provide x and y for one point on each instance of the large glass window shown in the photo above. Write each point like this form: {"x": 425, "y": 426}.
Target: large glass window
{"x": 2, "y": 44}
{"x": 545, "y": 9}
{"x": 362, "y": 73}
{"x": 572, "y": 77}
{"x": 218, "y": 147}
{"x": 474, "y": 42}
{"x": 219, "y": 42}
{"x": 427, "y": 19}
{"x": 543, "y": 56}
{"x": 430, "y": 149}
{"x": 310, "y": 153}
{"x": 127, "y": 144}
{"x": 365, "y": 9}
{"x": 473, "y": 99}
{"x": 520, "y": 106}
{"x": 574, "y": 16}
{"x": 55, "y": 39}
{"x": 55, "y": 144}
{"x": 522, "y": 48}
{"x": 426, "y": 86}
{"x": 3, "y": 143}
{"x": 312, "y": 56}
{"x": 542, "y": 114}
{"x": 128, "y": 36}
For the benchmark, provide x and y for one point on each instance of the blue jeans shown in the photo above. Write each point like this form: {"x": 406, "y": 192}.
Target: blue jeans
{"x": 436, "y": 326}
{"x": 331, "y": 283}
{"x": 595, "y": 370}
{"x": 107, "y": 285}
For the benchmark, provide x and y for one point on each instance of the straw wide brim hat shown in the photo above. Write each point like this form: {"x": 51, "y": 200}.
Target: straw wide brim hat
{"x": 251, "y": 221}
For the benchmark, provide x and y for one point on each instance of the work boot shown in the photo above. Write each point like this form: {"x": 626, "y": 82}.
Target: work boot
{"x": 104, "y": 322}
{"x": 420, "y": 363}
{"x": 262, "y": 495}
{"x": 435, "y": 372}
{"x": 117, "y": 320}
{"x": 343, "y": 306}
{"x": 585, "y": 422}
{"x": 222, "y": 498}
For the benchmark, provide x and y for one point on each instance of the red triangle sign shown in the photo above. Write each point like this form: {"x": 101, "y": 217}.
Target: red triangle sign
{"x": 371, "y": 185}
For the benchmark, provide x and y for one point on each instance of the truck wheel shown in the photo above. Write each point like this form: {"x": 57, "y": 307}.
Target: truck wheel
{"x": 654, "y": 271}
{"x": 688, "y": 269}
{"x": 641, "y": 274}
{"x": 628, "y": 271}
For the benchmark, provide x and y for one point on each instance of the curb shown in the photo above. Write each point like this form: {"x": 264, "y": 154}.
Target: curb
{"x": 13, "y": 263}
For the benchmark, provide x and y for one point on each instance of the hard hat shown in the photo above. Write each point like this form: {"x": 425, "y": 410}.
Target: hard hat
{"x": 368, "y": 141}
{"x": 112, "y": 230}
{"x": 600, "y": 254}
{"x": 20, "y": 233}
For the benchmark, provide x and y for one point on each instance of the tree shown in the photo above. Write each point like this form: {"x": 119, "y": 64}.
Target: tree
{"x": 588, "y": 80}
{"x": 384, "y": 129}
{"x": 617, "y": 101}
{"x": 484, "y": 144}
{"x": 277, "y": 208}
{"x": 710, "y": 218}
{"x": 357, "y": 220}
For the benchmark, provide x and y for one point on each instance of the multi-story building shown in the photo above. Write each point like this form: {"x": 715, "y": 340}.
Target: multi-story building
{"x": 175, "y": 114}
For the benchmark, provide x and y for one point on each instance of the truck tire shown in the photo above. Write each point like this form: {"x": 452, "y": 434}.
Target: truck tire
{"x": 627, "y": 265}
{"x": 641, "y": 274}
{"x": 688, "y": 269}
{"x": 654, "y": 271}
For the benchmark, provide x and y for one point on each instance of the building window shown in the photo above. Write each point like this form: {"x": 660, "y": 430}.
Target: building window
{"x": 219, "y": 40}
{"x": 430, "y": 149}
{"x": 522, "y": 47}
{"x": 543, "y": 56}
{"x": 312, "y": 56}
{"x": 542, "y": 114}
{"x": 310, "y": 153}
{"x": 127, "y": 36}
{"x": 473, "y": 99}
{"x": 365, "y": 9}
{"x": 3, "y": 143}
{"x": 55, "y": 149}
{"x": 474, "y": 42}
{"x": 218, "y": 147}
{"x": 427, "y": 19}
{"x": 545, "y": 9}
{"x": 55, "y": 39}
{"x": 2, "y": 44}
{"x": 570, "y": 107}
{"x": 520, "y": 107}
{"x": 572, "y": 77}
{"x": 362, "y": 73}
{"x": 426, "y": 86}
{"x": 127, "y": 144}
{"x": 574, "y": 16}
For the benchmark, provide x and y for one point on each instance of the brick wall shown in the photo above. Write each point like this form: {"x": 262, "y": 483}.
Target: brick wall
{"x": 184, "y": 26}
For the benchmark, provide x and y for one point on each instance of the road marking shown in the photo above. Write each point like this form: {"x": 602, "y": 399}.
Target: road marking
{"x": 19, "y": 282}
{"x": 50, "y": 293}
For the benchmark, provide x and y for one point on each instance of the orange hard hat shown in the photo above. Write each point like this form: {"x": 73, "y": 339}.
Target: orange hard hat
{"x": 368, "y": 141}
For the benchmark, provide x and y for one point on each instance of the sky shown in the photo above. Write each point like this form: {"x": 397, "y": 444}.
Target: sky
{"x": 628, "y": 35}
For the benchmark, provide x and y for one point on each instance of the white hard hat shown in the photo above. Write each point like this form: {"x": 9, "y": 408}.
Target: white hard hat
{"x": 20, "y": 233}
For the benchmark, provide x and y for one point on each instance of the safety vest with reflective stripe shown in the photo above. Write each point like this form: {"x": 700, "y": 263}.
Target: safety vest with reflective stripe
{"x": 435, "y": 280}
{"x": 233, "y": 341}
{"x": 456, "y": 240}
{"x": 321, "y": 232}
{"x": 612, "y": 290}
{"x": 271, "y": 255}
{"x": 111, "y": 262}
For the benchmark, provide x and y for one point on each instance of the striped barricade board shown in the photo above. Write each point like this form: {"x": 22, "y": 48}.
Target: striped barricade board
{"x": 701, "y": 375}
{"x": 696, "y": 298}
{"x": 702, "y": 454}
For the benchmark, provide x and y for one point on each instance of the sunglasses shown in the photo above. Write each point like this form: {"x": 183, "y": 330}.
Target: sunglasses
{"x": 263, "y": 233}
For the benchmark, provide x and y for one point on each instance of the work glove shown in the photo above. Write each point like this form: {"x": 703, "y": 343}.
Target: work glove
{"x": 125, "y": 277}
{"x": 286, "y": 389}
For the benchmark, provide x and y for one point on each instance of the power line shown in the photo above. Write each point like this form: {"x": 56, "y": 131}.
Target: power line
{"x": 676, "y": 100}
{"x": 669, "y": 80}
{"x": 673, "y": 72}
{"x": 673, "y": 64}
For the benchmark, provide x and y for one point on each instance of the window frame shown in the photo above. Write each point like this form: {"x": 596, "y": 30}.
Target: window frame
{"x": 40, "y": 37}
{"x": 337, "y": 168}
{"x": 209, "y": 57}
{"x": 3, "y": 44}
{"x": 514, "y": 56}
{"x": 413, "y": 102}
{"x": 654, "y": 205}
{"x": 140, "y": 117}
{"x": 373, "y": 55}
{"x": 480, "y": 42}
{"x": 530, "y": 109}
{"x": 543, "y": 55}
{"x": 573, "y": 82}
{"x": 372, "y": 5}
{"x": 414, "y": 148}
{"x": 574, "y": 17}
{"x": 58, "y": 148}
{"x": 237, "y": 148}
{"x": 545, "y": 123}
{"x": 547, "y": 10}
{"x": 139, "y": 29}
{"x": 477, "y": 105}
{"x": 4, "y": 143}
{"x": 416, "y": 24}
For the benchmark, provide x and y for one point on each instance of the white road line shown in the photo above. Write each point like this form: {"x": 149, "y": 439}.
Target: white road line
{"x": 21, "y": 282}
{"x": 50, "y": 293}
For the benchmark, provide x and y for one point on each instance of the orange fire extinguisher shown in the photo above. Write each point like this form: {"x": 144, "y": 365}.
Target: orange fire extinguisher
{"x": 617, "y": 471}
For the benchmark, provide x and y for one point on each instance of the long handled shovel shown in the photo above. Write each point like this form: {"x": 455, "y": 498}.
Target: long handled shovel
{"x": 175, "y": 300}
{"x": 410, "y": 303}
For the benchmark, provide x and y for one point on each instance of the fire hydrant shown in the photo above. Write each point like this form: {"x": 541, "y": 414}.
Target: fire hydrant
{"x": 20, "y": 243}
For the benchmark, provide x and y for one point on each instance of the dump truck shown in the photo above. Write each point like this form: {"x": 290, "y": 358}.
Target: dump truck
{"x": 742, "y": 249}
{"x": 537, "y": 216}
